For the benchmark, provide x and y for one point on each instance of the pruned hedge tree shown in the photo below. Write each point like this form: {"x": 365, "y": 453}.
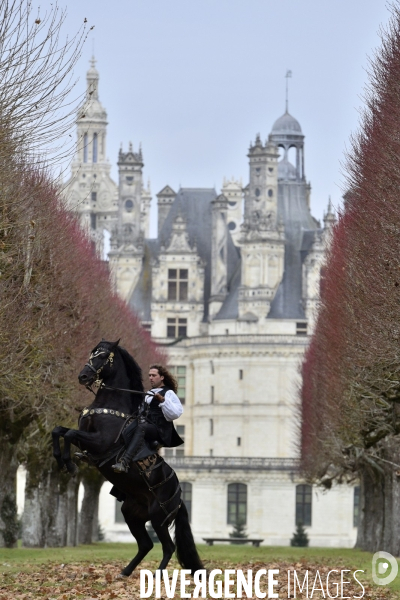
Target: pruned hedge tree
{"x": 56, "y": 301}
{"x": 350, "y": 394}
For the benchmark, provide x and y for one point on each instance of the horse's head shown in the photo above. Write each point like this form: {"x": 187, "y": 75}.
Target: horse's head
{"x": 100, "y": 363}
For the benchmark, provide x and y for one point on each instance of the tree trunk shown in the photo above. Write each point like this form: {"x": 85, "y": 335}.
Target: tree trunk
{"x": 62, "y": 509}
{"x": 89, "y": 516}
{"x": 379, "y": 526}
{"x": 72, "y": 510}
{"x": 8, "y": 495}
{"x": 33, "y": 530}
{"x": 51, "y": 507}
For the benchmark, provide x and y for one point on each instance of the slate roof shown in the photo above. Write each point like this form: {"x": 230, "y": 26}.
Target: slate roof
{"x": 299, "y": 226}
{"x": 194, "y": 205}
{"x": 140, "y": 300}
{"x": 230, "y": 307}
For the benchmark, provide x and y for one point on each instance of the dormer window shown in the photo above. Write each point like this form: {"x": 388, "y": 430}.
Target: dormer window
{"x": 178, "y": 284}
{"x": 301, "y": 328}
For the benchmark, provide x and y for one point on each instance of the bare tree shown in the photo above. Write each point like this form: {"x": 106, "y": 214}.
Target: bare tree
{"x": 36, "y": 79}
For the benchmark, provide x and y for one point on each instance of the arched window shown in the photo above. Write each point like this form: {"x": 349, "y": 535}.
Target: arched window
{"x": 292, "y": 155}
{"x": 237, "y": 503}
{"x": 282, "y": 152}
{"x": 303, "y": 504}
{"x": 95, "y": 148}
{"x": 186, "y": 488}
{"x": 85, "y": 148}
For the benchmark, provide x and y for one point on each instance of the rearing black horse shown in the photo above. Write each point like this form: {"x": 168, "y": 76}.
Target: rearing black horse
{"x": 150, "y": 490}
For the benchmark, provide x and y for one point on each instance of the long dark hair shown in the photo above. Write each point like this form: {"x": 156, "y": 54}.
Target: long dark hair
{"x": 169, "y": 379}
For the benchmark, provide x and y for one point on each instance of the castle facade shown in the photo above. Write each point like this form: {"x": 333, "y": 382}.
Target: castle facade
{"x": 230, "y": 288}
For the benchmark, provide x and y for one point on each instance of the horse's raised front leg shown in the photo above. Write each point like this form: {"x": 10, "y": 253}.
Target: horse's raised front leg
{"x": 90, "y": 440}
{"x": 56, "y": 434}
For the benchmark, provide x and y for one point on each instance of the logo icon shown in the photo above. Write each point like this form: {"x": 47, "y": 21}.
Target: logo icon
{"x": 385, "y": 564}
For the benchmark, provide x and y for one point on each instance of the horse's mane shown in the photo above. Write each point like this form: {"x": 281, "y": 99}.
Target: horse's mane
{"x": 132, "y": 368}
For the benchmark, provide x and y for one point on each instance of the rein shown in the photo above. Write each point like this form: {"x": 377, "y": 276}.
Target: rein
{"x": 103, "y": 386}
{"x": 107, "y": 387}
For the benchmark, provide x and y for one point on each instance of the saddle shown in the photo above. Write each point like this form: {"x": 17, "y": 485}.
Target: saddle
{"x": 147, "y": 449}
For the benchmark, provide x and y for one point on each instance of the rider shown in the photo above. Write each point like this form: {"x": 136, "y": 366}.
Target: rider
{"x": 164, "y": 407}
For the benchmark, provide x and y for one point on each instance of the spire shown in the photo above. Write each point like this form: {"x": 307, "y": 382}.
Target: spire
{"x": 92, "y": 78}
{"x": 258, "y": 143}
{"x": 329, "y": 218}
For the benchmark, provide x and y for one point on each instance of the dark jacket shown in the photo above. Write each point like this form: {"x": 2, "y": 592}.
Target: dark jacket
{"x": 168, "y": 435}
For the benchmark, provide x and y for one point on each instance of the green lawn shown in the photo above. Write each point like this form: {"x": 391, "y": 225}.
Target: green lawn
{"x": 221, "y": 555}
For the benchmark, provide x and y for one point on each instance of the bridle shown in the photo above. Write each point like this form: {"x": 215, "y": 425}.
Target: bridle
{"x": 98, "y": 382}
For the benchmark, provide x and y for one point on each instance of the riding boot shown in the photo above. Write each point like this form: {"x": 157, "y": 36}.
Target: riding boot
{"x": 134, "y": 445}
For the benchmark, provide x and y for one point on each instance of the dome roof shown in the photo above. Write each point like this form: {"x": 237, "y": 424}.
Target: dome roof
{"x": 286, "y": 125}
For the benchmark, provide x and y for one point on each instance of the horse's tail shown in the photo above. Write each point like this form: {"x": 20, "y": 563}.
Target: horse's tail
{"x": 186, "y": 551}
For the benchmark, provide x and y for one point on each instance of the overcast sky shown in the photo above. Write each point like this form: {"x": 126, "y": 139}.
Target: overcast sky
{"x": 195, "y": 80}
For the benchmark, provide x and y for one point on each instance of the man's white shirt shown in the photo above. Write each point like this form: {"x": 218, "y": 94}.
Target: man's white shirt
{"x": 171, "y": 407}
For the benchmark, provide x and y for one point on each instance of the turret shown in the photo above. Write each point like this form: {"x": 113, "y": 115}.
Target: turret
{"x": 90, "y": 191}
{"x": 92, "y": 122}
{"x": 262, "y": 240}
{"x": 286, "y": 134}
{"x": 130, "y": 165}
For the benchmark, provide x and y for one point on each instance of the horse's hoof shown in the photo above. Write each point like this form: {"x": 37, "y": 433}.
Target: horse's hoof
{"x": 121, "y": 576}
{"x": 82, "y": 457}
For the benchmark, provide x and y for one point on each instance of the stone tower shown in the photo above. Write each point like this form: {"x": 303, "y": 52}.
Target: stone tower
{"x": 90, "y": 191}
{"x": 130, "y": 165}
{"x": 262, "y": 239}
{"x": 128, "y": 236}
